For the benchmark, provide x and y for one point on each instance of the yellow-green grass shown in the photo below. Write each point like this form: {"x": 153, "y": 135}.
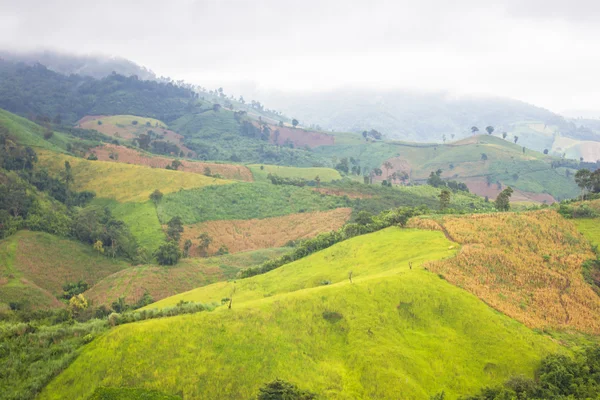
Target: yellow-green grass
{"x": 35, "y": 265}
{"x": 590, "y": 228}
{"x": 261, "y": 171}
{"x": 163, "y": 281}
{"x": 124, "y": 182}
{"x": 142, "y": 220}
{"x": 29, "y": 133}
{"x": 394, "y": 332}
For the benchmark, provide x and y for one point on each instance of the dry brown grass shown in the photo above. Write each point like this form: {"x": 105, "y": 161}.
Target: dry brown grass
{"x": 253, "y": 234}
{"x": 527, "y": 266}
{"x": 132, "y": 156}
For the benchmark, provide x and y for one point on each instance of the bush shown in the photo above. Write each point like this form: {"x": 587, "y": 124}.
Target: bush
{"x": 282, "y": 390}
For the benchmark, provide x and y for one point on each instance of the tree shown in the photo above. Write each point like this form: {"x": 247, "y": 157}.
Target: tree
{"x": 444, "y": 199}
{"x": 504, "y": 135}
{"x": 489, "y": 129}
{"x": 295, "y": 122}
{"x": 174, "y": 229}
{"x": 364, "y": 218}
{"x": 444, "y": 138}
{"x": 175, "y": 164}
{"x": 474, "y": 129}
{"x": 204, "y": 241}
{"x": 583, "y": 178}
{"x": 516, "y": 139}
{"x": 545, "y": 151}
{"x": 484, "y": 157}
{"x": 68, "y": 174}
{"x": 77, "y": 304}
{"x": 187, "y": 245}
{"x": 503, "y": 199}
{"x": 388, "y": 165}
{"x": 99, "y": 247}
{"x": 318, "y": 180}
{"x": 168, "y": 253}
{"x": 156, "y": 196}
{"x": 282, "y": 390}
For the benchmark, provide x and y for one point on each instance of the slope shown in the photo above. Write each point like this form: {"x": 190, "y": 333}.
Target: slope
{"x": 395, "y": 332}
{"x": 35, "y": 266}
{"x": 124, "y": 182}
{"x": 528, "y": 266}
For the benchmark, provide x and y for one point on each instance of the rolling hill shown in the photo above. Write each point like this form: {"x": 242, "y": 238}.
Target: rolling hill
{"x": 373, "y": 337}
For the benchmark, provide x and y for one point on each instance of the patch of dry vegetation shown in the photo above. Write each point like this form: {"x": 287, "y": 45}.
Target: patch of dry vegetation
{"x": 111, "y": 152}
{"x": 528, "y": 266}
{"x": 253, "y": 234}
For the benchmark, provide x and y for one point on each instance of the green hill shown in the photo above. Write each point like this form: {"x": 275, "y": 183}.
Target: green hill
{"x": 394, "y": 332}
{"x": 260, "y": 173}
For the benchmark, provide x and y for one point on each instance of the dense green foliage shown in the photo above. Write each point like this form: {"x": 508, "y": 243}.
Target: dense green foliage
{"x": 37, "y": 90}
{"x": 558, "y": 377}
{"x": 282, "y": 390}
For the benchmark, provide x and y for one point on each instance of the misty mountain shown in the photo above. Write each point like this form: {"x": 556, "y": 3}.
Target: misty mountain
{"x": 37, "y": 92}
{"x": 95, "y": 66}
{"x": 411, "y": 116}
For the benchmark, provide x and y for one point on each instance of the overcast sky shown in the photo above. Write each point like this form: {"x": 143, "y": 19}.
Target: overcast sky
{"x": 542, "y": 51}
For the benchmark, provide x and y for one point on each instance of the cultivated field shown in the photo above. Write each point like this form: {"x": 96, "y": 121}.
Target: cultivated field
{"x": 394, "y": 332}
{"x": 132, "y": 156}
{"x": 253, "y": 234}
{"x": 260, "y": 172}
{"x": 124, "y": 182}
{"x": 243, "y": 201}
{"x": 528, "y": 266}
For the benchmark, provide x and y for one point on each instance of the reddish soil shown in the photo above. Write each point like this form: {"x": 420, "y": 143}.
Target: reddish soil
{"x": 132, "y": 156}
{"x": 480, "y": 187}
{"x": 398, "y": 165}
{"x": 300, "y": 137}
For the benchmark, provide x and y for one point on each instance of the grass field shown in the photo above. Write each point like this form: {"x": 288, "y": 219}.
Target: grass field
{"x": 243, "y": 201}
{"x": 590, "y": 228}
{"x": 124, "y": 182}
{"x": 260, "y": 173}
{"x": 163, "y": 281}
{"x": 526, "y": 265}
{"x": 393, "y": 333}
{"x": 35, "y": 265}
{"x": 253, "y": 234}
{"x": 121, "y": 126}
{"x": 28, "y": 133}
{"x": 141, "y": 219}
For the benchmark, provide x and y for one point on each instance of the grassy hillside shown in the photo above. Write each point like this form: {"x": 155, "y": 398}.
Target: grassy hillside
{"x": 242, "y": 201}
{"x": 528, "y": 266}
{"x": 394, "y": 332}
{"x": 124, "y": 182}
{"x": 35, "y": 266}
{"x": 189, "y": 273}
{"x": 590, "y": 228}
{"x": 141, "y": 219}
{"x": 260, "y": 173}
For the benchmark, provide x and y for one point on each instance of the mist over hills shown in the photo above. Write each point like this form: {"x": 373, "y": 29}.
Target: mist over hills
{"x": 95, "y": 66}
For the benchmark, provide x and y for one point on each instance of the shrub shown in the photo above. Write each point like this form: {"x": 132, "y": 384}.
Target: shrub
{"x": 282, "y": 390}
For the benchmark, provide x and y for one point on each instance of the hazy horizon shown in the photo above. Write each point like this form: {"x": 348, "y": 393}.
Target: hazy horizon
{"x": 540, "y": 52}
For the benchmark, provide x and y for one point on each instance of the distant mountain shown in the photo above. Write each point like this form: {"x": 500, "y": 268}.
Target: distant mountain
{"x": 413, "y": 116}
{"x": 96, "y": 66}
{"x": 38, "y": 92}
